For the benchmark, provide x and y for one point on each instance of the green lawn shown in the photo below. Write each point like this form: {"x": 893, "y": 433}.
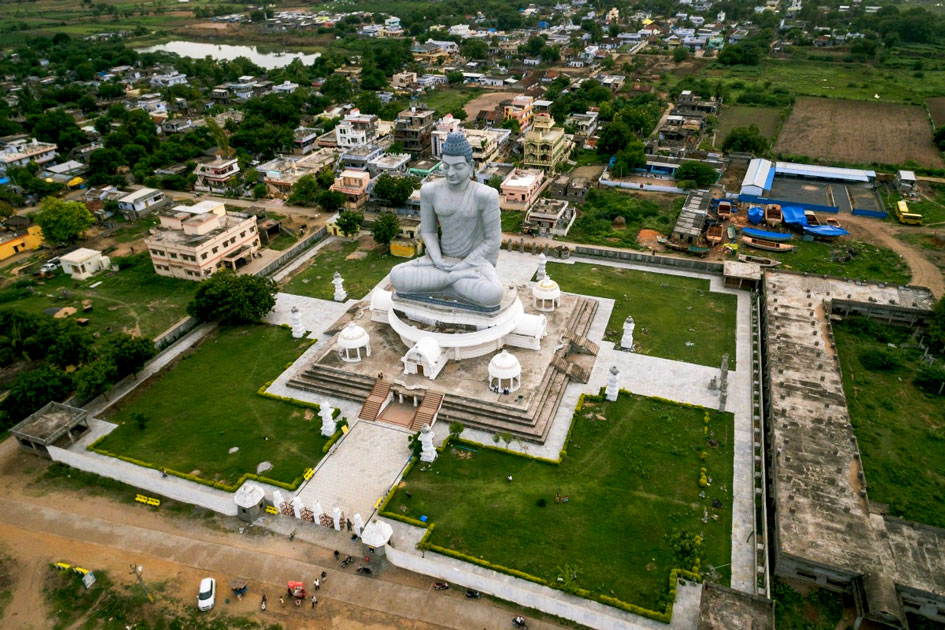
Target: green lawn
{"x": 900, "y": 430}
{"x": 631, "y": 475}
{"x": 446, "y": 100}
{"x": 207, "y": 404}
{"x": 133, "y": 299}
{"x": 668, "y": 311}
{"x": 360, "y": 274}
{"x": 767, "y": 119}
{"x": 846, "y": 259}
{"x": 512, "y": 221}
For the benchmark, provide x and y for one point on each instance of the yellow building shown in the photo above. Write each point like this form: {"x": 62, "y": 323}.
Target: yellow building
{"x": 14, "y": 243}
{"x": 546, "y": 146}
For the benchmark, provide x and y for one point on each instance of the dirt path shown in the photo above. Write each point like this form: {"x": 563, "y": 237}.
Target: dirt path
{"x": 40, "y": 524}
{"x": 924, "y": 273}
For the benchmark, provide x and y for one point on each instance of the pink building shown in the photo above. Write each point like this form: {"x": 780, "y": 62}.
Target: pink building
{"x": 354, "y": 186}
{"x": 521, "y": 110}
{"x": 521, "y": 188}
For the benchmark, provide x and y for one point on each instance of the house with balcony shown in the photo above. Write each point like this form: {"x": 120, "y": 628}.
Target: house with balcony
{"x": 358, "y": 158}
{"x": 22, "y": 152}
{"x": 217, "y": 176}
{"x": 281, "y": 173}
{"x": 546, "y": 146}
{"x": 141, "y": 202}
{"x": 521, "y": 188}
{"x": 549, "y": 217}
{"x": 520, "y": 109}
{"x": 413, "y": 128}
{"x": 356, "y": 129}
{"x": 403, "y": 80}
{"x": 390, "y": 164}
{"x": 354, "y": 186}
{"x": 193, "y": 242}
{"x": 303, "y": 140}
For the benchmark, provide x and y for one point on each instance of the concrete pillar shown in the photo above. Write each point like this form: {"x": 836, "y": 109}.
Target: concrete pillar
{"x": 612, "y": 389}
{"x": 296, "y": 319}
{"x": 428, "y": 453}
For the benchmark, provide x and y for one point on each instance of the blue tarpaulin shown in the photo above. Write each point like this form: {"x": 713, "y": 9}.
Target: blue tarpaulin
{"x": 755, "y": 215}
{"x": 825, "y": 230}
{"x": 771, "y": 236}
{"x": 793, "y": 215}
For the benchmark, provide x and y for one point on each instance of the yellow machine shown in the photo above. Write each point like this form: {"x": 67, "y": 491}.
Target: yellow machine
{"x": 904, "y": 216}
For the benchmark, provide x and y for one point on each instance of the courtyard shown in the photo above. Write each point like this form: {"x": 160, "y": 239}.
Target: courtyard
{"x": 629, "y": 483}
{"x": 676, "y": 317}
{"x": 361, "y": 263}
{"x": 207, "y": 404}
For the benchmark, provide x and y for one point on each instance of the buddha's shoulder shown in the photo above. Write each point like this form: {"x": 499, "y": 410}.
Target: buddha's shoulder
{"x": 485, "y": 193}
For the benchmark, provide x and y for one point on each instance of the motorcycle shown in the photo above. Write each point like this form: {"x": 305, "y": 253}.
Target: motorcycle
{"x": 519, "y": 622}
{"x": 471, "y": 594}
{"x": 348, "y": 560}
{"x": 440, "y": 586}
{"x": 365, "y": 570}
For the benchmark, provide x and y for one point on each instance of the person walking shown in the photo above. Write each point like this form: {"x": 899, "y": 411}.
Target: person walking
{"x": 282, "y": 600}
{"x": 314, "y": 601}
{"x": 317, "y": 584}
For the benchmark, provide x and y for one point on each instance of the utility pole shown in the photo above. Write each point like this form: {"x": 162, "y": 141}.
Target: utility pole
{"x": 136, "y": 571}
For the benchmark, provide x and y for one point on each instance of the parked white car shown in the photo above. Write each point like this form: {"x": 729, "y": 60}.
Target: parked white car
{"x": 206, "y": 597}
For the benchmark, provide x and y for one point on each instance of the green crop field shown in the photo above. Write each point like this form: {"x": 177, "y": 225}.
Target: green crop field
{"x": 767, "y": 119}
{"x": 631, "y": 476}
{"x": 207, "y": 404}
{"x": 669, "y": 311}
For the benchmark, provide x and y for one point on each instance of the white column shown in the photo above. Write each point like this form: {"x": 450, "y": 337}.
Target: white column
{"x": 297, "y": 507}
{"x": 326, "y": 413}
{"x": 541, "y": 266}
{"x": 612, "y": 389}
{"x": 358, "y": 524}
{"x": 296, "y": 318}
{"x": 336, "y": 517}
{"x": 428, "y": 453}
{"x": 340, "y": 294}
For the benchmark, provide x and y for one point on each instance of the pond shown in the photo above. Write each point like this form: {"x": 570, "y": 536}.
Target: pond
{"x": 198, "y": 50}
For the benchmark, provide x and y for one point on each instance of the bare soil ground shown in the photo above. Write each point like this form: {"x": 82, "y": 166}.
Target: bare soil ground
{"x": 485, "y": 101}
{"x": 859, "y": 132}
{"x": 937, "y": 109}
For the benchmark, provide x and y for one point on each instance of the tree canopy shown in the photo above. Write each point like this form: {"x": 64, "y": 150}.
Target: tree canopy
{"x": 349, "y": 222}
{"x": 63, "y": 221}
{"x": 233, "y": 298}
{"x": 385, "y": 228}
{"x": 698, "y": 172}
{"x": 395, "y": 190}
{"x": 746, "y": 140}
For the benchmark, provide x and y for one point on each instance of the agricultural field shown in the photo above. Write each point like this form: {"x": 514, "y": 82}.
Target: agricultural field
{"x": 899, "y": 427}
{"x": 767, "y": 119}
{"x": 937, "y": 110}
{"x": 206, "y": 404}
{"x": 631, "y": 479}
{"x": 676, "y": 317}
{"x": 834, "y": 130}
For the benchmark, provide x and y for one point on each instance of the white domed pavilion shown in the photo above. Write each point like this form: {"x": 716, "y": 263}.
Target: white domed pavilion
{"x": 351, "y": 342}
{"x": 505, "y": 373}
{"x": 547, "y": 294}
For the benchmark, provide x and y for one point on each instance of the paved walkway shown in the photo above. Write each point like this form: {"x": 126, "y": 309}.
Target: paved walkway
{"x": 359, "y": 470}
{"x": 317, "y": 315}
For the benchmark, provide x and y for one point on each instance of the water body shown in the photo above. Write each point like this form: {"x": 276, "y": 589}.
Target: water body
{"x": 198, "y": 50}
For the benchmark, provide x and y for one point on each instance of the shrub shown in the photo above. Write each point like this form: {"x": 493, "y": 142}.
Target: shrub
{"x": 542, "y": 502}
{"x": 930, "y": 379}
{"x": 879, "y": 359}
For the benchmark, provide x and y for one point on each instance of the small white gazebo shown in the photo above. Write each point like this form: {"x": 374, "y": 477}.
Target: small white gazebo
{"x": 505, "y": 373}
{"x": 547, "y": 294}
{"x": 352, "y": 340}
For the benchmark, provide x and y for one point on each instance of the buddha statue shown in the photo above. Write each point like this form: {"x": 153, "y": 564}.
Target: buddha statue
{"x": 461, "y": 231}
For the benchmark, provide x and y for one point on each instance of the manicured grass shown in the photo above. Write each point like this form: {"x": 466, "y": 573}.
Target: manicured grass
{"x": 900, "y": 429}
{"x": 844, "y": 258}
{"x": 512, "y": 221}
{"x": 631, "y": 476}
{"x": 810, "y": 608}
{"x": 360, "y": 274}
{"x": 767, "y": 119}
{"x": 446, "y": 100}
{"x": 668, "y": 311}
{"x": 133, "y": 299}
{"x": 207, "y": 404}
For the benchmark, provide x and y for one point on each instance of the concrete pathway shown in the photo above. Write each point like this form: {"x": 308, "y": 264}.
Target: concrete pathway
{"x": 360, "y": 470}
{"x": 317, "y": 315}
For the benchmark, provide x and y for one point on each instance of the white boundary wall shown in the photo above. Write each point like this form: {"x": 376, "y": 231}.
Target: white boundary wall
{"x": 147, "y": 480}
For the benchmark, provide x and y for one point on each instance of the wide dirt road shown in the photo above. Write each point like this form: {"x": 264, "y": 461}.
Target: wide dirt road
{"x": 40, "y": 524}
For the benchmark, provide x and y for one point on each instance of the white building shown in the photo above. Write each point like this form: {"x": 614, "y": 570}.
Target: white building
{"x": 22, "y": 152}
{"x": 356, "y": 129}
{"x": 216, "y": 176}
{"x": 286, "y": 87}
{"x": 83, "y": 262}
{"x": 169, "y": 79}
{"x": 141, "y": 202}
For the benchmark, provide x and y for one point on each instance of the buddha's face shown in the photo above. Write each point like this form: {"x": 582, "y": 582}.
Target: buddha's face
{"x": 457, "y": 169}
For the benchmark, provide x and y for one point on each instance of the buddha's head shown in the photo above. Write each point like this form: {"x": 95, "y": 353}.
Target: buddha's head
{"x": 457, "y": 159}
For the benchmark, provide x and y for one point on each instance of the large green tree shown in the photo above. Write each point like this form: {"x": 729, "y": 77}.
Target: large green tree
{"x": 34, "y": 388}
{"x": 233, "y": 298}
{"x": 63, "y": 221}
{"x": 385, "y": 228}
{"x": 395, "y": 190}
{"x": 349, "y": 222}
{"x": 614, "y": 137}
{"x": 699, "y": 172}
{"x": 128, "y": 353}
{"x": 746, "y": 140}
{"x": 304, "y": 192}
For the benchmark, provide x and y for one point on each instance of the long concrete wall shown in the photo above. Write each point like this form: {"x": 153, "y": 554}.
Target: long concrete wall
{"x": 148, "y": 480}
{"x": 521, "y": 592}
{"x": 650, "y": 259}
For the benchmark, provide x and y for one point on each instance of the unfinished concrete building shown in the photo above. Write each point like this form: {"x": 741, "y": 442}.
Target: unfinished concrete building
{"x": 823, "y": 528}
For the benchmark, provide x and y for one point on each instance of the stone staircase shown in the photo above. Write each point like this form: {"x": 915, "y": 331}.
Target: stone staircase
{"x": 581, "y": 318}
{"x": 374, "y": 402}
{"x": 426, "y": 412}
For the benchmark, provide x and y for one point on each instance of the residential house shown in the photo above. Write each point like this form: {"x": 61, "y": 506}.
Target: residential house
{"x": 193, "y": 242}
{"x": 152, "y": 103}
{"x": 303, "y": 140}
{"x": 356, "y": 129}
{"x": 549, "y": 217}
{"x": 281, "y": 173}
{"x": 143, "y": 201}
{"x": 177, "y": 125}
{"x": 358, "y": 158}
{"x": 521, "y": 188}
{"x": 217, "y": 176}
{"x": 412, "y": 129}
{"x": 15, "y": 241}
{"x": 430, "y": 81}
{"x": 389, "y": 164}
{"x": 82, "y": 263}
{"x": 354, "y": 186}
{"x": 22, "y": 152}
{"x": 404, "y": 80}
{"x": 546, "y": 146}
{"x": 169, "y": 79}
{"x": 520, "y": 109}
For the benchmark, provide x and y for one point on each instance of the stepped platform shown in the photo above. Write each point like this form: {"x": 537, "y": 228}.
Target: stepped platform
{"x": 460, "y": 392}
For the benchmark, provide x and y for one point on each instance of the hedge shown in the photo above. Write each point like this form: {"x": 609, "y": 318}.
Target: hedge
{"x": 425, "y": 544}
